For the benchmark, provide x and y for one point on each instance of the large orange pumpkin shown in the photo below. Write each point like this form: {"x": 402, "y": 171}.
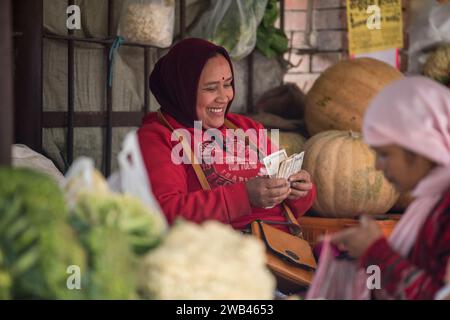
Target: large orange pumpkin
{"x": 343, "y": 168}
{"x": 341, "y": 95}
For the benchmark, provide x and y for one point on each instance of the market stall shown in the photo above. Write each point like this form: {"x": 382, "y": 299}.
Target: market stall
{"x": 306, "y": 70}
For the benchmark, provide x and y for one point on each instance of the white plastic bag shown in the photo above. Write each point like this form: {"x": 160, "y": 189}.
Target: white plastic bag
{"x": 82, "y": 177}
{"x": 149, "y": 22}
{"x": 429, "y": 27}
{"x": 132, "y": 177}
{"x": 232, "y": 24}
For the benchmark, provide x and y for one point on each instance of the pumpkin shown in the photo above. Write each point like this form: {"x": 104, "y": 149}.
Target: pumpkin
{"x": 341, "y": 95}
{"x": 342, "y": 167}
{"x": 292, "y": 142}
{"x": 437, "y": 66}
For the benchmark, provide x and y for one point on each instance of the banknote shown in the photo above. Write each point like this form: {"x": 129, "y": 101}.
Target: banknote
{"x": 279, "y": 165}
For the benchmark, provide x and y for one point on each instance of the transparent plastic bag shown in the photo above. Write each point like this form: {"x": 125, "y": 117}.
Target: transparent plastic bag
{"x": 337, "y": 279}
{"x": 149, "y": 22}
{"x": 232, "y": 24}
{"x": 83, "y": 177}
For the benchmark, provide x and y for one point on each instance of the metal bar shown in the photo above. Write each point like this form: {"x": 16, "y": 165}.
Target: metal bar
{"x": 27, "y": 23}
{"x": 250, "y": 83}
{"x": 70, "y": 95}
{"x": 98, "y": 40}
{"x": 6, "y": 83}
{"x": 110, "y": 18}
{"x": 146, "y": 81}
{"x": 182, "y": 19}
{"x": 109, "y": 118}
{"x": 282, "y": 15}
{"x": 310, "y": 27}
{"x": 58, "y": 119}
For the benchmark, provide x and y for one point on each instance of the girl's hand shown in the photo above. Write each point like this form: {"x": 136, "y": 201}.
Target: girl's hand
{"x": 357, "y": 240}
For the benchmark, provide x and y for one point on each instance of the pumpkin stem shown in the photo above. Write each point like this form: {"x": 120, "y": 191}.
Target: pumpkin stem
{"x": 353, "y": 134}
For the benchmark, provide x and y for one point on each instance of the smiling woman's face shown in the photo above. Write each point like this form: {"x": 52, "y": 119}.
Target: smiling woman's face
{"x": 214, "y": 92}
{"x": 403, "y": 168}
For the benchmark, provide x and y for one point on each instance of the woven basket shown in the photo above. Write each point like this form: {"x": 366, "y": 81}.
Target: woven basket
{"x": 315, "y": 227}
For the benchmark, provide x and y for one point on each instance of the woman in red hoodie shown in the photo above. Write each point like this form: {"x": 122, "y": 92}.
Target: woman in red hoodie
{"x": 194, "y": 84}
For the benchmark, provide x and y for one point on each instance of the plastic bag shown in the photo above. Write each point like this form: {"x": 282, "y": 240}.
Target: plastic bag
{"x": 149, "y": 22}
{"x": 132, "y": 177}
{"x": 429, "y": 28}
{"x": 232, "y": 24}
{"x": 83, "y": 177}
{"x": 337, "y": 279}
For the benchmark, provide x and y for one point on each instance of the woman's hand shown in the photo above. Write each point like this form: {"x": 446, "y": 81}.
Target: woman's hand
{"x": 264, "y": 192}
{"x": 300, "y": 185}
{"x": 357, "y": 240}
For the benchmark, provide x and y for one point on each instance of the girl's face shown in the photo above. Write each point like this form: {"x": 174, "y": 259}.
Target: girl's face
{"x": 403, "y": 168}
{"x": 214, "y": 92}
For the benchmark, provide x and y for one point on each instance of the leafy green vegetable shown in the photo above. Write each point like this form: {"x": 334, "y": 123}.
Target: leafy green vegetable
{"x": 115, "y": 230}
{"x": 111, "y": 269}
{"x": 5, "y": 280}
{"x": 128, "y": 214}
{"x": 270, "y": 40}
{"x": 36, "y": 243}
{"x": 39, "y": 240}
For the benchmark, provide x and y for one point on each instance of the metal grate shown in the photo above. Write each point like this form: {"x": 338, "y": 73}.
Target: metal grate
{"x": 110, "y": 118}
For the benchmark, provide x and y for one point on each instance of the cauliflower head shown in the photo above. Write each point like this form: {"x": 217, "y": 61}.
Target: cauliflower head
{"x": 209, "y": 261}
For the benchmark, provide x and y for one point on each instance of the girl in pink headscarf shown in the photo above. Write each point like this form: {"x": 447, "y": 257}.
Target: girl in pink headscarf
{"x": 408, "y": 125}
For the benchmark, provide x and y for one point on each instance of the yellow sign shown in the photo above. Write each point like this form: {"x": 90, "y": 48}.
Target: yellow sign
{"x": 374, "y": 25}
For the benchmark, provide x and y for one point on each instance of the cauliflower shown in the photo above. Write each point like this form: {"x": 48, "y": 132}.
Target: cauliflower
{"x": 209, "y": 261}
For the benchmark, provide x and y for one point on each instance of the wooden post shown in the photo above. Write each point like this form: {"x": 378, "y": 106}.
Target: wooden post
{"x": 6, "y": 84}
{"x": 27, "y": 23}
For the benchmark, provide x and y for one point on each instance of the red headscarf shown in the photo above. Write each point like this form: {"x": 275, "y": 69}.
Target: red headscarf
{"x": 174, "y": 80}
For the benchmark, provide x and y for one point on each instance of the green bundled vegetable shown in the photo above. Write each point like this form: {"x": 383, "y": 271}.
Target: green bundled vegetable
{"x": 5, "y": 280}
{"x": 115, "y": 229}
{"x": 111, "y": 269}
{"x": 128, "y": 214}
{"x": 36, "y": 243}
{"x": 270, "y": 40}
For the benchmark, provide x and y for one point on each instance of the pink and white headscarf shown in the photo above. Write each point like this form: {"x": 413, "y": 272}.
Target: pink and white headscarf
{"x": 414, "y": 113}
